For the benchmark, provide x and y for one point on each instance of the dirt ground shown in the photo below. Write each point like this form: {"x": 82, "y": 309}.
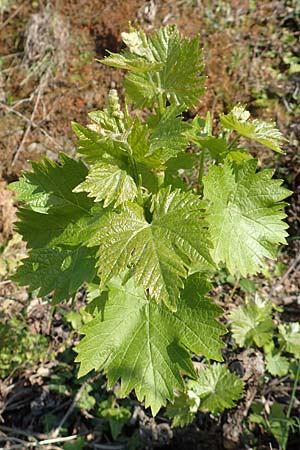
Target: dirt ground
{"x": 50, "y": 76}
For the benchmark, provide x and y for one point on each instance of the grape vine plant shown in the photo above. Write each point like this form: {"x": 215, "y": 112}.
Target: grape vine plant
{"x": 145, "y": 216}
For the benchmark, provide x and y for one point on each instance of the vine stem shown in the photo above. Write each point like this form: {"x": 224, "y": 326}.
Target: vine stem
{"x": 234, "y": 141}
{"x": 160, "y": 95}
{"x": 137, "y": 180}
{"x": 136, "y": 176}
{"x": 294, "y": 391}
{"x": 201, "y": 171}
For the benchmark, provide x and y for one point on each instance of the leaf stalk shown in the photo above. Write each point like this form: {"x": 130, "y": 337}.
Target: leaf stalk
{"x": 234, "y": 141}
{"x": 201, "y": 171}
{"x": 294, "y": 391}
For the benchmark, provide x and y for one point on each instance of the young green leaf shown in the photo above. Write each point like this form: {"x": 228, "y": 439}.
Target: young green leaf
{"x": 183, "y": 410}
{"x": 217, "y": 388}
{"x": 170, "y": 67}
{"x": 97, "y": 144}
{"x": 168, "y": 137}
{"x": 107, "y": 135}
{"x": 252, "y": 323}
{"x": 150, "y": 351}
{"x": 244, "y": 215}
{"x": 289, "y": 337}
{"x": 279, "y": 424}
{"x": 109, "y": 183}
{"x": 159, "y": 252}
{"x": 276, "y": 364}
{"x": 116, "y": 415}
{"x": 103, "y": 143}
{"x": 263, "y": 132}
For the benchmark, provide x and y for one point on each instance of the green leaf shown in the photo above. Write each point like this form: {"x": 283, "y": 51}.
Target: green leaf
{"x": 107, "y": 137}
{"x": 116, "y": 415}
{"x": 53, "y": 215}
{"x": 265, "y": 133}
{"x": 252, "y": 323}
{"x": 289, "y": 337}
{"x": 128, "y": 61}
{"x": 61, "y": 271}
{"x": 97, "y": 143}
{"x": 109, "y": 183}
{"x": 276, "y": 364}
{"x": 179, "y": 166}
{"x": 244, "y": 215}
{"x": 96, "y": 299}
{"x": 77, "y": 444}
{"x": 150, "y": 351}
{"x": 183, "y": 410}
{"x": 111, "y": 142}
{"x": 217, "y": 388}
{"x": 279, "y": 425}
{"x": 138, "y": 140}
{"x": 159, "y": 253}
{"x": 217, "y": 146}
{"x": 50, "y": 185}
{"x": 170, "y": 66}
{"x": 86, "y": 402}
{"x": 248, "y": 286}
{"x": 139, "y": 57}
{"x": 168, "y": 137}
{"x": 40, "y": 230}
{"x": 29, "y": 194}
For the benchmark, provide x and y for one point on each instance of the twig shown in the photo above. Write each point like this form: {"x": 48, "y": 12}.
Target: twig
{"x": 233, "y": 290}
{"x": 297, "y": 377}
{"x": 33, "y": 124}
{"x": 56, "y": 431}
{"x": 5, "y": 282}
{"x": 232, "y": 143}
{"x": 14, "y": 439}
{"x": 32, "y": 439}
{"x": 58, "y": 439}
{"x": 10, "y": 55}
{"x": 12, "y": 16}
{"x": 17, "y": 431}
{"x": 286, "y": 274}
{"x": 27, "y": 131}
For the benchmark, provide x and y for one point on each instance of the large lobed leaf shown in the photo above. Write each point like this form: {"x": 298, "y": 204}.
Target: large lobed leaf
{"x": 245, "y": 215}
{"x": 60, "y": 270}
{"x": 162, "y": 64}
{"x": 55, "y": 223}
{"x": 158, "y": 253}
{"x": 150, "y": 350}
{"x": 50, "y": 186}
